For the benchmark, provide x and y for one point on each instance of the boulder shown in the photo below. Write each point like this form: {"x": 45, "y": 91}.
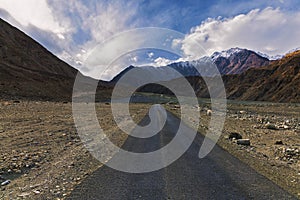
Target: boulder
{"x": 208, "y": 112}
{"x": 279, "y": 142}
{"x": 234, "y": 135}
{"x": 5, "y": 183}
{"x": 243, "y": 142}
{"x": 271, "y": 126}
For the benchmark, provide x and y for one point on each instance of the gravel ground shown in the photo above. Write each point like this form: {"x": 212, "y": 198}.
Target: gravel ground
{"x": 274, "y": 133}
{"x": 40, "y": 151}
{"x": 44, "y": 158}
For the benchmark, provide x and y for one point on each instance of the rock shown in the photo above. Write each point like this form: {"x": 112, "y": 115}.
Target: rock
{"x": 285, "y": 127}
{"x": 271, "y": 126}
{"x": 16, "y": 101}
{"x": 242, "y": 112}
{"x": 278, "y": 142}
{"x": 234, "y": 135}
{"x": 243, "y": 142}
{"x": 6, "y": 103}
{"x": 5, "y": 183}
{"x": 24, "y": 194}
{"x": 290, "y": 151}
{"x": 176, "y": 106}
{"x": 36, "y": 191}
{"x": 208, "y": 112}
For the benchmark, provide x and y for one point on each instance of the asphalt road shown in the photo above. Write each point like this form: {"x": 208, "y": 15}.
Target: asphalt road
{"x": 217, "y": 176}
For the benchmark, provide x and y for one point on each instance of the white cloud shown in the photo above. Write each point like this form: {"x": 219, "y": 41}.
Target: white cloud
{"x": 270, "y": 31}
{"x": 99, "y": 21}
{"x": 150, "y": 55}
{"x": 54, "y": 23}
{"x": 134, "y": 59}
{"x": 160, "y": 61}
{"x": 48, "y": 21}
{"x": 33, "y": 12}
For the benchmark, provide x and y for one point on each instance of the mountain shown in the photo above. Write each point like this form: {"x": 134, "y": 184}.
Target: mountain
{"x": 277, "y": 82}
{"x": 122, "y": 73}
{"x": 271, "y": 58}
{"x": 231, "y": 61}
{"x": 28, "y": 70}
{"x": 237, "y": 61}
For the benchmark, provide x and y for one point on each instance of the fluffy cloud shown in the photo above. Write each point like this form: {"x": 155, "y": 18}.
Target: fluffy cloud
{"x": 34, "y": 12}
{"x": 71, "y": 29}
{"x": 67, "y": 28}
{"x": 270, "y": 31}
{"x": 160, "y": 61}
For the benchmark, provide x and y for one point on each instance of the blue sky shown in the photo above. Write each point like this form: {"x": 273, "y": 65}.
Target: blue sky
{"x": 71, "y": 29}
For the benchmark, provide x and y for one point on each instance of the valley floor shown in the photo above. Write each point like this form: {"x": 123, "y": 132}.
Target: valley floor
{"x": 274, "y": 133}
{"x": 42, "y": 155}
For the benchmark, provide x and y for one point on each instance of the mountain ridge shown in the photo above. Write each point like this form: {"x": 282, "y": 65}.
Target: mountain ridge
{"x": 231, "y": 61}
{"x": 29, "y": 71}
{"x": 277, "y": 82}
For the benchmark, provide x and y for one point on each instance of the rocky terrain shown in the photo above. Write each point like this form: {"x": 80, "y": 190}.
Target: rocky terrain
{"x": 273, "y": 131}
{"x": 42, "y": 156}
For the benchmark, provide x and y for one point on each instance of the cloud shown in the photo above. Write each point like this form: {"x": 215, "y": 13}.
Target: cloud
{"x": 71, "y": 29}
{"x": 150, "y": 54}
{"x": 270, "y": 31}
{"x": 160, "y": 61}
{"x": 93, "y": 23}
{"x": 68, "y": 27}
{"x": 33, "y": 12}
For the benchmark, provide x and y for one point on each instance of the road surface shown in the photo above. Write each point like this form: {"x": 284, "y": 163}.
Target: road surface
{"x": 217, "y": 176}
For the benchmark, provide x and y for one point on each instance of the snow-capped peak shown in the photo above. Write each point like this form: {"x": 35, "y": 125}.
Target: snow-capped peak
{"x": 226, "y": 53}
{"x": 293, "y": 50}
{"x": 276, "y": 57}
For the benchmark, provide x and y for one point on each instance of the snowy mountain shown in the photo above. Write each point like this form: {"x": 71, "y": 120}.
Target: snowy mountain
{"x": 226, "y": 53}
{"x": 231, "y": 61}
{"x": 277, "y": 57}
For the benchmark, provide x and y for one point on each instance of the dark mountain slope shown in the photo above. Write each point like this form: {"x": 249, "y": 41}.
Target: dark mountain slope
{"x": 280, "y": 81}
{"x": 28, "y": 70}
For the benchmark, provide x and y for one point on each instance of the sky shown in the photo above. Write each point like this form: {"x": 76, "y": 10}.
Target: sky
{"x": 73, "y": 29}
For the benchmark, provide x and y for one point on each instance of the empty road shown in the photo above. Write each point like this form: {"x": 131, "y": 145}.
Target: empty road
{"x": 217, "y": 176}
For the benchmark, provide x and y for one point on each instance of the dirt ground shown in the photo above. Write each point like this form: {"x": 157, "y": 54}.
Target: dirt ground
{"x": 274, "y": 133}
{"x": 41, "y": 152}
{"x": 44, "y": 158}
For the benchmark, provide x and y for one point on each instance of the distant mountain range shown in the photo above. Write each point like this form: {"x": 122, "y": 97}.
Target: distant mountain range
{"x": 29, "y": 71}
{"x": 232, "y": 61}
{"x": 277, "y": 82}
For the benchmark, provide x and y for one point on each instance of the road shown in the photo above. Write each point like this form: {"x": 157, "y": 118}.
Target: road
{"x": 217, "y": 176}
